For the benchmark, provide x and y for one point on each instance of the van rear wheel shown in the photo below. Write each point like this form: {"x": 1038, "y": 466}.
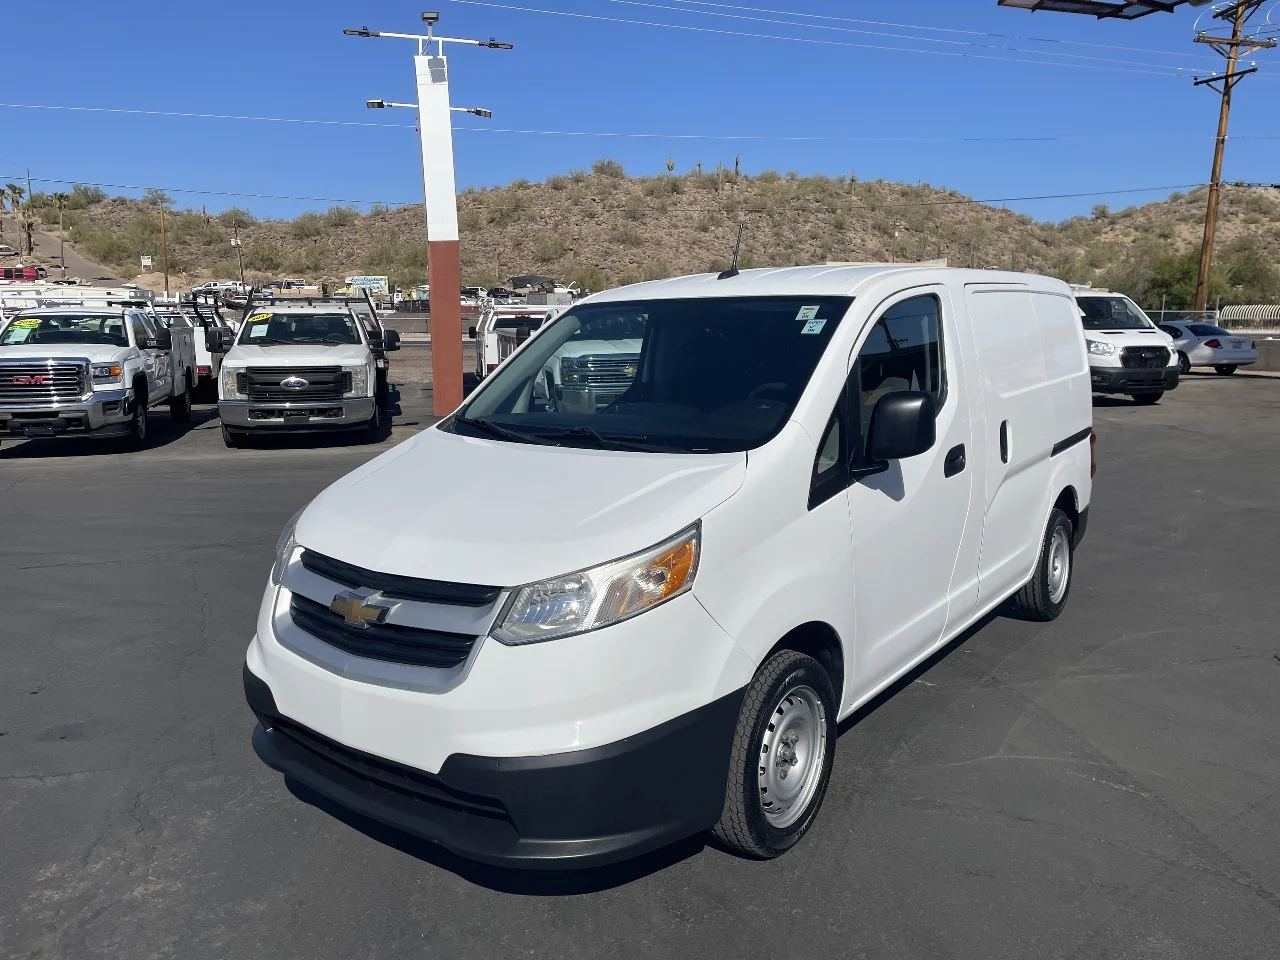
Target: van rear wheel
{"x": 1045, "y": 594}
{"x": 780, "y": 762}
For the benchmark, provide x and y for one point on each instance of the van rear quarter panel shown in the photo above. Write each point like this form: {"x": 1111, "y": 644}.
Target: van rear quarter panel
{"x": 1035, "y": 386}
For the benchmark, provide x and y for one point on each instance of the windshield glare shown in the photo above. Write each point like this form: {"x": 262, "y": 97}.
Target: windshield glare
{"x": 66, "y": 328}
{"x": 274, "y": 329}
{"x": 1112, "y": 313}
{"x": 689, "y": 376}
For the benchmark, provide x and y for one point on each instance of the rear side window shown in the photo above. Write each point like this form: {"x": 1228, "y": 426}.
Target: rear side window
{"x": 1206, "y": 330}
{"x": 903, "y": 351}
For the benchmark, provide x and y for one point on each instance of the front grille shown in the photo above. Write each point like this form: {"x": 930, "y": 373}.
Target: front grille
{"x": 323, "y": 383}
{"x": 1144, "y": 358}
{"x": 384, "y": 641}
{"x": 397, "y": 587}
{"x": 607, "y": 370}
{"x": 42, "y": 380}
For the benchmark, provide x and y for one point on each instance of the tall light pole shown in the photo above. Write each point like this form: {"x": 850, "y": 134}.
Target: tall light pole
{"x": 444, "y": 262}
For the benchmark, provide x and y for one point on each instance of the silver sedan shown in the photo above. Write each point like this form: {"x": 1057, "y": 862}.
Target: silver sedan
{"x": 1206, "y": 345}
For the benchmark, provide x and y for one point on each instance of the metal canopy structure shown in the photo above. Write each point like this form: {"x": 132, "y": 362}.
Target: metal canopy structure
{"x": 1104, "y": 9}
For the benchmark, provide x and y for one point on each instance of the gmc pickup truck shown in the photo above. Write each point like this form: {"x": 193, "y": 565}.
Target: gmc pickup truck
{"x": 92, "y": 371}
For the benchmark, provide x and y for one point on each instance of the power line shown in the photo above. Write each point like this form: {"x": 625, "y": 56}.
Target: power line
{"x": 947, "y": 201}
{"x": 1169, "y": 72}
{"x": 792, "y": 22}
{"x": 799, "y": 138}
{"x": 917, "y": 26}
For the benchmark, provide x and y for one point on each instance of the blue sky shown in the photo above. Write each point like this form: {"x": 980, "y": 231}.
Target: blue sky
{"x": 1125, "y": 125}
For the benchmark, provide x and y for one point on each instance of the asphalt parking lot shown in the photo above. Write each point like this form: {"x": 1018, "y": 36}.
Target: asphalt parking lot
{"x": 1107, "y": 785}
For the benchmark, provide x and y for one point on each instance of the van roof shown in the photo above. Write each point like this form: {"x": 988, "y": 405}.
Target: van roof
{"x": 837, "y": 281}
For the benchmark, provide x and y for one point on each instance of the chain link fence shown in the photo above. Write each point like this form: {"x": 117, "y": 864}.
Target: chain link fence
{"x": 412, "y": 362}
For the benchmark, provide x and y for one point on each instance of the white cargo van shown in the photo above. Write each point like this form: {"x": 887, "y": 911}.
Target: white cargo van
{"x": 1127, "y": 353}
{"x": 815, "y": 478}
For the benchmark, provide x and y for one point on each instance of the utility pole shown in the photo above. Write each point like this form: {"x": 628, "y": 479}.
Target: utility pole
{"x": 1231, "y": 50}
{"x": 164, "y": 253}
{"x": 239, "y": 252}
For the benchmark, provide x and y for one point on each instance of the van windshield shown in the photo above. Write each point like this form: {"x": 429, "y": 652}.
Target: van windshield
{"x": 1112, "y": 313}
{"x": 682, "y": 376}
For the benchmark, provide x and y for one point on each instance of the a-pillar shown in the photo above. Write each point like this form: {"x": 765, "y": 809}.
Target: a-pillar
{"x": 444, "y": 264}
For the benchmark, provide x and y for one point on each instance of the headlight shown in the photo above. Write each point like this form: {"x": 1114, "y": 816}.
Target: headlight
{"x": 1101, "y": 348}
{"x": 231, "y": 384}
{"x": 284, "y": 549}
{"x": 569, "y": 370}
{"x": 107, "y": 372}
{"x": 603, "y": 595}
{"x": 359, "y": 380}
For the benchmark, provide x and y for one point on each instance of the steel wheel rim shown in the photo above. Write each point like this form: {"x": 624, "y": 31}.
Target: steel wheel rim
{"x": 1059, "y": 565}
{"x": 793, "y": 753}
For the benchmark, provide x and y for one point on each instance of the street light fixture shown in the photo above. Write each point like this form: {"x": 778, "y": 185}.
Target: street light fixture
{"x": 435, "y": 132}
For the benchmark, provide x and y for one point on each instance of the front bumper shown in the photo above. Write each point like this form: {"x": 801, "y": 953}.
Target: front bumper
{"x": 297, "y": 415}
{"x": 102, "y": 413}
{"x": 576, "y": 809}
{"x": 1130, "y": 380}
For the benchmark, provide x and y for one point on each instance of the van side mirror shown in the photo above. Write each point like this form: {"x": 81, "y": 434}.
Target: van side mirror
{"x": 163, "y": 340}
{"x": 903, "y": 425}
{"x": 391, "y": 340}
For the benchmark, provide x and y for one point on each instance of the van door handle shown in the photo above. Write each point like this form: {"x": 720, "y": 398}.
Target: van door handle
{"x": 1004, "y": 441}
{"x": 955, "y": 461}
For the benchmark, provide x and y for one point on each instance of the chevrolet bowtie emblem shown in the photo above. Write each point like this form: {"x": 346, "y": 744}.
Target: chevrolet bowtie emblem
{"x": 357, "y": 610}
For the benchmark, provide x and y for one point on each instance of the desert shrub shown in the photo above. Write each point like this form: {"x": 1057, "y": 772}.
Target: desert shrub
{"x": 236, "y": 217}
{"x": 659, "y": 270}
{"x": 549, "y": 247}
{"x": 627, "y": 236}
{"x": 340, "y": 216}
{"x": 608, "y": 168}
{"x": 633, "y": 209}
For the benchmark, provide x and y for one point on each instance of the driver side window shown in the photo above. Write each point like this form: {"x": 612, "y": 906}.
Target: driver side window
{"x": 903, "y": 351}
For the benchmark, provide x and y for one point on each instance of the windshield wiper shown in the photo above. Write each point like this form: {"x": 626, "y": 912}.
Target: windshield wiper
{"x": 259, "y": 341}
{"x": 504, "y": 433}
{"x": 629, "y": 442}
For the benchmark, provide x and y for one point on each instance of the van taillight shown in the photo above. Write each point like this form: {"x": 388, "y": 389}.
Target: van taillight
{"x": 1215, "y": 343}
{"x": 1093, "y": 455}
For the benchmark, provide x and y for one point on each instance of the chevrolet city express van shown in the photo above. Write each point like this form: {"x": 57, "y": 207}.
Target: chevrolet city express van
{"x": 814, "y": 478}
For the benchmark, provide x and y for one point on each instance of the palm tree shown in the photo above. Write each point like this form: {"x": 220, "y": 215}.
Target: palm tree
{"x": 60, "y": 201}
{"x": 15, "y": 194}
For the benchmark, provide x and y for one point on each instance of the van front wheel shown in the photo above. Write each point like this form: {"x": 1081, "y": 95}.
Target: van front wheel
{"x": 1045, "y": 594}
{"x": 780, "y": 763}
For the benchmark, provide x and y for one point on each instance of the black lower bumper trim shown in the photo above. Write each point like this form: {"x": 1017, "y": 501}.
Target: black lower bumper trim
{"x": 577, "y": 809}
{"x": 1126, "y": 380}
{"x": 1082, "y": 525}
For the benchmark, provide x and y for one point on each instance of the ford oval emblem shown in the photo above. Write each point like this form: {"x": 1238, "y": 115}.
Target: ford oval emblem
{"x": 295, "y": 383}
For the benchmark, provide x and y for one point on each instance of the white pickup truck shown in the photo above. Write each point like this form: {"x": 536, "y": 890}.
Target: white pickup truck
{"x": 92, "y": 371}
{"x": 303, "y": 366}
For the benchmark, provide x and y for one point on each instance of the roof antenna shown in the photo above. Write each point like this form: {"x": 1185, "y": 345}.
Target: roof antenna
{"x": 733, "y": 268}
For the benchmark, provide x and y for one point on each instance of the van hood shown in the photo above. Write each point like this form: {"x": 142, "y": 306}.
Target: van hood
{"x": 1131, "y": 338}
{"x": 446, "y": 507}
{"x": 93, "y": 352}
{"x": 301, "y": 355}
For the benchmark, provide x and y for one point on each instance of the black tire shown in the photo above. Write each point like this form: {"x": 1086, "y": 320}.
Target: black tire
{"x": 1041, "y": 598}
{"x": 382, "y": 392}
{"x": 180, "y": 406}
{"x": 744, "y": 825}
{"x": 231, "y": 439}
{"x": 1146, "y": 399}
{"x": 1226, "y": 369}
{"x": 1184, "y": 364}
{"x": 373, "y": 429}
{"x": 137, "y": 435}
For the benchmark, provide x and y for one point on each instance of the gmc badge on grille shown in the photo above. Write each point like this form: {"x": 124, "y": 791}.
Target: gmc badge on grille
{"x": 295, "y": 383}
{"x": 31, "y": 381}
